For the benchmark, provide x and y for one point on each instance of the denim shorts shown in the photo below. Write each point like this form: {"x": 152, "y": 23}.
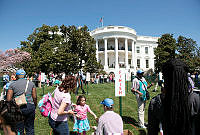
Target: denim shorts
{"x": 59, "y": 127}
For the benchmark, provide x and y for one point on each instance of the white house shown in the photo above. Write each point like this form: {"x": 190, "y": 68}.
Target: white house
{"x": 121, "y": 47}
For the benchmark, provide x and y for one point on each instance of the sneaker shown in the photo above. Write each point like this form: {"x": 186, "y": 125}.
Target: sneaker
{"x": 143, "y": 126}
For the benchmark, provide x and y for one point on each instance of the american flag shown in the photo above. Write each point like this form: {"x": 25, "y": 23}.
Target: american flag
{"x": 101, "y": 20}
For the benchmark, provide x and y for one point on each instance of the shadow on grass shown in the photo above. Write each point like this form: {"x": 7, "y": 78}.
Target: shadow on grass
{"x": 129, "y": 120}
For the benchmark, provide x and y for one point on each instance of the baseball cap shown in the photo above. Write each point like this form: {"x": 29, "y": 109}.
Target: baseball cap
{"x": 140, "y": 72}
{"x": 107, "y": 102}
{"x": 20, "y": 72}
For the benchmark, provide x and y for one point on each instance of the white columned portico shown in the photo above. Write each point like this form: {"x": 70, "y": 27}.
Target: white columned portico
{"x": 109, "y": 37}
{"x": 133, "y": 55}
{"x": 151, "y": 61}
{"x": 143, "y": 60}
{"x": 97, "y": 48}
{"x": 105, "y": 54}
{"x": 126, "y": 53}
{"x": 116, "y": 53}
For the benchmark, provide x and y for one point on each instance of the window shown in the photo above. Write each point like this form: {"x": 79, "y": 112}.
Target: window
{"x": 147, "y": 63}
{"x": 129, "y": 61}
{"x": 146, "y": 50}
{"x": 138, "y": 49}
{"x": 138, "y": 63}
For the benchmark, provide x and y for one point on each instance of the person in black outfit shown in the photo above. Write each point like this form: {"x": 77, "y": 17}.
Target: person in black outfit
{"x": 194, "y": 106}
{"x": 79, "y": 84}
{"x": 178, "y": 109}
{"x": 155, "y": 113}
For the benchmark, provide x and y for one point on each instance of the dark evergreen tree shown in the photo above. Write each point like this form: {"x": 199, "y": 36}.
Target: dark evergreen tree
{"x": 165, "y": 50}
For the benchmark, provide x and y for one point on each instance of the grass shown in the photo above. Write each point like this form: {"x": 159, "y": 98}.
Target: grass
{"x": 98, "y": 92}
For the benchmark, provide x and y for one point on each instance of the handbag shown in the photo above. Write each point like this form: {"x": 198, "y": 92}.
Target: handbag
{"x": 21, "y": 100}
{"x": 147, "y": 95}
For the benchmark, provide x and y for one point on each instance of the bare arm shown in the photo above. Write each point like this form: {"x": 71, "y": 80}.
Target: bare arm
{"x": 34, "y": 96}
{"x": 134, "y": 90}
{"x": 61, "y": 110}
{"x": 9, "y": 95}
{"x": 96, "y": 118}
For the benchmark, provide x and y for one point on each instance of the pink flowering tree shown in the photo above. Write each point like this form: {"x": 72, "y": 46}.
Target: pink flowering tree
{"x": 13, "y": 57}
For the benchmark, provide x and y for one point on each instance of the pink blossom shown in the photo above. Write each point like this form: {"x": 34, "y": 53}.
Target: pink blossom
{"x": 11, "y": 57}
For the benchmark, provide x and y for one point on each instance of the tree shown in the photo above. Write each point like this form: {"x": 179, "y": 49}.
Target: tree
{"x": 61, "y": 49}
{"x": 82, "y": 44}
{"x": 13, "y": 58}
{"x": 165, "y": 50}
{"x": 187, "y": 51}
{"x": 40, "y": 44}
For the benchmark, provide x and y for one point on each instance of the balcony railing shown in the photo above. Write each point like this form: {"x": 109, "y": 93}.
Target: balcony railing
{"x": 112, "y": 48}
{"x": 101, "y": 49}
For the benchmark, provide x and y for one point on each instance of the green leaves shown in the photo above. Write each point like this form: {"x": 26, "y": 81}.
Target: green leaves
{"x": 184, "y": 48}
{"x": 188, "y": 51}
{"x": 61, "y": 49}
{"x": 165, "y": 50}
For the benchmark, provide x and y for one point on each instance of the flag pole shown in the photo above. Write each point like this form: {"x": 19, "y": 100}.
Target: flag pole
{"x": 102, "y": 21}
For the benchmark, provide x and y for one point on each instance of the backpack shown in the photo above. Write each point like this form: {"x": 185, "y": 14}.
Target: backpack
{"x": 45, "y": 104}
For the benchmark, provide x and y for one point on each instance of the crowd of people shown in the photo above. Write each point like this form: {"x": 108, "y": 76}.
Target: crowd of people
{"x": 175, "y": 111}
{"x": 23, "y": 121}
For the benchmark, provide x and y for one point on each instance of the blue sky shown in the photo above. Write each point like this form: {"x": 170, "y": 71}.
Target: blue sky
{"x": 19, "y": 18}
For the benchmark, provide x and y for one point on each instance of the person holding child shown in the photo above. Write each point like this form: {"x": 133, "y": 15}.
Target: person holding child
{"x": 81, "y": 124}
{"x": 58, "y": 119}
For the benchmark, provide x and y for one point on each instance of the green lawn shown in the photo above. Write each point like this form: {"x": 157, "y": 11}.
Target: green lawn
{"x": 98, "y": 92}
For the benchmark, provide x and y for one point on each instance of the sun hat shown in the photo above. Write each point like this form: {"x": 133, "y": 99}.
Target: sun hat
{"x": 140, "y": 71}
{"x": 107, "y": 102}
{"x": 20, "y": 72}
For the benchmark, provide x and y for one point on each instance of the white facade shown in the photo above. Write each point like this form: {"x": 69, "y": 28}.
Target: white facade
{"x": 121, "y": 47}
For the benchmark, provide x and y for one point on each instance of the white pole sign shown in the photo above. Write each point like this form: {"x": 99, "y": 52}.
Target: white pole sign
{"x": 42, "y": 77}
{"x": 127, "y": 76}
{"x": 88, "y": 76}
{"x": 119, "y": 83}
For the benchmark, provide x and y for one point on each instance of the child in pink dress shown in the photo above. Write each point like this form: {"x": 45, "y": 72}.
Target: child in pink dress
{"x": 81, "y": 124}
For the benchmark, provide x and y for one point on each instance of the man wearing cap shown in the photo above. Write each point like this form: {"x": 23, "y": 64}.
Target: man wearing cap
{"x": 110, "y": 122}
{"x": 17, "y": 88}
{"x": 139, "y": 86}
